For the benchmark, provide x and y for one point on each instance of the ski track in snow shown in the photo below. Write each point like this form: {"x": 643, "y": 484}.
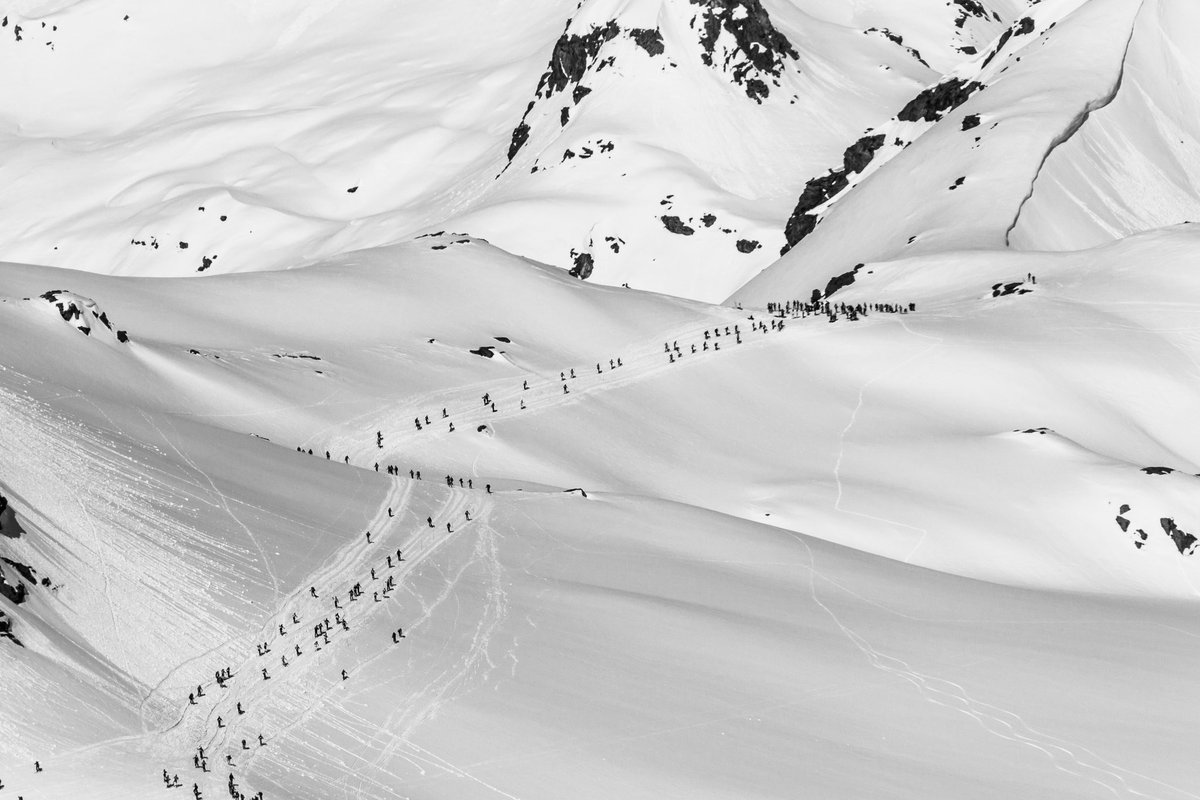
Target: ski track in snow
{"x": 639, "y": 364}
{"x": 224, "y": 502}
{"x": 295, "y": 695}
{"x": 1069, "y": 757}
{"x": 837, "y": 467}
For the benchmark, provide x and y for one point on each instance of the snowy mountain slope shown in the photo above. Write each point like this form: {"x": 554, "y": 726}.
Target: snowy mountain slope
{"x": 959, "y": 159}
{"x": 337, "y": 358}
{"x": 388, "y": 503}
{"x": 538, "y": 641}
{"x": 748, "y": 512}
{"x": 230, "y": 138}
{"x": 1132, "y": 165}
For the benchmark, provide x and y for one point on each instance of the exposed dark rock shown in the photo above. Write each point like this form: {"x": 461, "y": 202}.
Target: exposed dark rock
{"x": 520, "y": 135}
{"x": 932, "y": 104}
{"x": 898, "y": 39}
{"x": 122, "y": 337}
{"x": 1183, "y": 540}
{"x": 747, "y": 245}
{"x": 584, "y": 264}
{"x": 708, "y": 220}
{"x": 1003, "y": 40}
{"x": 183, "y": 245}
{"x": 1024, "y": 27}
{"x": 969, "y": 50}
{"x": 676, "y": 225}
{"x": 1157, "y": 470}
{"x": 649, "y": 39}
{"x": 205, "y": 263}
{"x": 819, "y": 190}
{"x": 858, "y": 155}
{"x": 564, "y": 116}
{"x": 758, "y": 46}
{"x": 487, "y": 351}
{"x": 579, "y": 93}
{"x": 15, "y": 591}
{"x": 6, "y": 626}
{"x": 352, "y": 190}
{"x": 841, "y": 281}
{"x": 24, "y": 570}
{"x": 970, "y": 121}
{"x": 1005, "y": 289}
{"x": 1124, "y": 523}
{"x": 1124, "y": 508}
{"x": 571, "y": 55}
{"x": 504, "y": 339}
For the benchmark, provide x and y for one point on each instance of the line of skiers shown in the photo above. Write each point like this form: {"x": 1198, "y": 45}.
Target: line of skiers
{"x": 798, "y": 309}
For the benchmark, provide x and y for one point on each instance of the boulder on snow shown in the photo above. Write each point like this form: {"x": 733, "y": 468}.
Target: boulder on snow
{"x": 676, "y": 225}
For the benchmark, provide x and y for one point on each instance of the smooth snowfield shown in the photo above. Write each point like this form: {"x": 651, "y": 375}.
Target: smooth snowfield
{"x": 842, "y": 559}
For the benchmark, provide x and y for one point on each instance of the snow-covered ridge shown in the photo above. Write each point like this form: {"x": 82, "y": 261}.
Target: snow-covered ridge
{"x": 82, "y": 313}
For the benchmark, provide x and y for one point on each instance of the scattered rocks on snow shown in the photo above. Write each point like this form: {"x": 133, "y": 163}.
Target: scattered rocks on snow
{"x": 896, "y": 38}
{"x": 1157, "y": 470}
{"x": 1005, "y": 289}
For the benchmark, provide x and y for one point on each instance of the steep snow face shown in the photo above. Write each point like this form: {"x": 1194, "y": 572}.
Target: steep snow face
{"x": 958, "y": 161}
{"x": 687, "y": 198}
{"x": 1132, "y": 165}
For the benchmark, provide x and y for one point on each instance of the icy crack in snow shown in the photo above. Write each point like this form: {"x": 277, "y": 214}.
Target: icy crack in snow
{"x": 837, "y": 467}
{"x": 1075, "y": 124}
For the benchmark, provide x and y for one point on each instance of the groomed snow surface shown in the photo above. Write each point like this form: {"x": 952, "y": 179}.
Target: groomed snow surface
{"x": 379, "y": 508}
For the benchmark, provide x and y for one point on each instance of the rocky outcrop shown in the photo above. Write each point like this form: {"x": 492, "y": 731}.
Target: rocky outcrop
{"x": 573, "y": 56}
{"x": 676, "y": 225}
{"x": 841, "y": 281}
{"x": 820, "y": 190}
{"x": 649, "y": 39}
{"x": 758, "y": 50}
{"x": 933, "y": 103}
{"x": 82, "y": 313}
{"x": 583, "y": 265}
{"x": 1183, "y": 540}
